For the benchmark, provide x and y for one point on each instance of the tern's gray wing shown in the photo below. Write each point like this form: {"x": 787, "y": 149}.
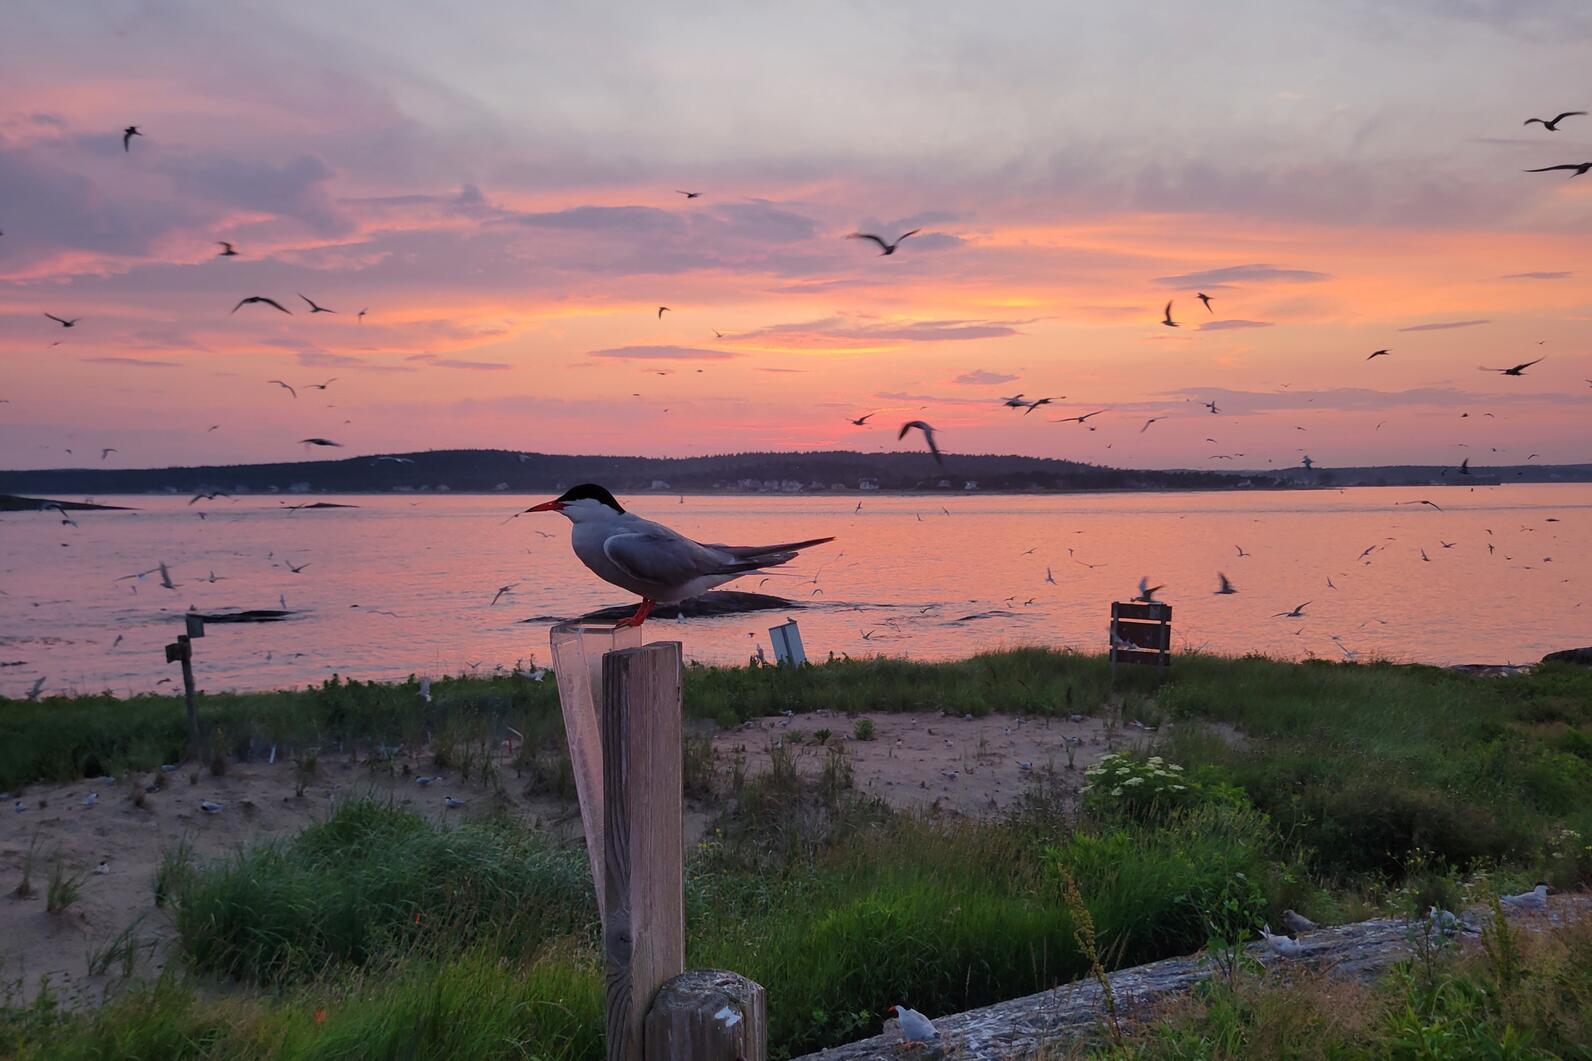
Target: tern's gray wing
{"x": 663, "y": 557}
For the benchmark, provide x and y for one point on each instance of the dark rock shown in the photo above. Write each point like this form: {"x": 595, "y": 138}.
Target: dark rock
{"x": 714, "y": 603}
{"x": 13, "y": 503}
{"x": 245, "y": 615}
{"x": 1579, "y": 656}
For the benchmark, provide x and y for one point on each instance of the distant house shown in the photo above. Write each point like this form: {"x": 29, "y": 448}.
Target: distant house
{"x": 837, "y": 486}
{"x": 867, "y": 484}
{"x": 500, "y": 487}
{"x": 299, "y": 488}
{"x": 790, "y": 486}
{"x": 945, "y": 484}
{"x": 971, "y": 484}
{"x": 660, "y": 484}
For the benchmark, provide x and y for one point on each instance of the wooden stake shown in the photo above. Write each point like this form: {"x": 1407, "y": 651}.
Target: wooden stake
{"x": 708, "y": 1015}
{"x": 644, "y": 836}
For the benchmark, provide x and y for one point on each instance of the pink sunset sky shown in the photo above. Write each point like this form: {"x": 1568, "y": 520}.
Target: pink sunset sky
{"x": 496, "y": 183}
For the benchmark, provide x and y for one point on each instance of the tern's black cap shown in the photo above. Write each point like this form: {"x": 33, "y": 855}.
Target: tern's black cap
{"x": 591, "y": 492}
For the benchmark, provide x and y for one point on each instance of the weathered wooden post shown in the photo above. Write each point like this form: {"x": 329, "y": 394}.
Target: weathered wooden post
{"x": 622, "y": 707}
{"x": 643, "y": 836}
{"x": 182, "y": 652}
{"x": 578, "y": 651}
{"x": 708, "y": 1015}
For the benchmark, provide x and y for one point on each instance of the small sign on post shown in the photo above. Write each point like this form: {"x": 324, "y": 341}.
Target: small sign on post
{"x": 787, "y": 644}
{"x": 196, "y": 625}
{"x": 1141, "y": 633}
{"x": 182, "y": 652}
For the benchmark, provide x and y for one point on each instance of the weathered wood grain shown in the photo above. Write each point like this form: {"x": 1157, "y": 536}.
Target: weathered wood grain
{"x": 708, "y": 1015}
{"x": 644, "y": 846}
{"x": 1046, "y": 1024}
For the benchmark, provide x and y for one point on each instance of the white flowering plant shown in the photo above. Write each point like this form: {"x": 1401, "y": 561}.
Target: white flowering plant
{"x": 1137, "y": 788}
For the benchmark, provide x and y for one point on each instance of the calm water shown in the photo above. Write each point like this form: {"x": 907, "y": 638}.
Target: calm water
{"x": 901, "y": 580}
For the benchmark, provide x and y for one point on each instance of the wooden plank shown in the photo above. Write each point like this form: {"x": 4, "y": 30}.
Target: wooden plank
{"x": 1145, "y": 635}
{"x": 578, "y": 651}
{"x": 644, "y": 841}
{"x": 1130, "y": 610}
{"x": 708, "y": 1015}
{"x": 1157, "y": 659}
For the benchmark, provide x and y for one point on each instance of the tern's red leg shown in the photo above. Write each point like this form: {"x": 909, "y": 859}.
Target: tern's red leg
{"x": 640, "y": 616}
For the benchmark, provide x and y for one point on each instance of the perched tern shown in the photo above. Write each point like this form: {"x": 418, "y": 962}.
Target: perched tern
{"x": 1535, "y": 899}
{"x": 650, "y": 560}
{"x": 915, "y": 1027}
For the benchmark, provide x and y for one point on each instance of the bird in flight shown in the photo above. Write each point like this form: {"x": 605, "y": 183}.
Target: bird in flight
{"x": 1464, "y": 466}
{"x": 1579, "y": 167}
{"x": 227, "y": 250}
{"x": 884, "y": 248}
{"x": 650, "y": 560}
{"x": 1037, "y": 402}
{"x": 252, "y": 299}
{"x": 319, "y": 442}
{"x": 297, "y": 569}
{"x": 662, "y": 310}
{"x": 1240, "y": 549}
{"x": 314, "y": 309}
{"x": 1518, "y": 370}
{"x": 208, "y": 497}
{"x": 688, "y": 195}
{"x": 359, "y": 318}
{"x": 1078, "y": 419}
{"x": 1226, "y": 587}
{"x": 1166, "y": 316}
{"x": 285, "y": 386}
{"x": 928, "y": 436}
{"x": 1552, "y": 124}
{"x": 1212, "y": 407}
{"x": 1297, "y": 613}
{"x": 62, "y": 321}
{"x": 1148, "y": 422}
{"x": 1203, "y": 297}
{"x": 862, "y": 421}
{"x": 1429, "y": 504}
{"x": 323, "y": 386}
{"x": 1049, "y": 578}
{"x": 107, "y": 451}
{"x": 1147, "y": 592}
{"x": 1378, "y": 353}
{"x": 502, "y": 590}
{"x": 127, "y": 137}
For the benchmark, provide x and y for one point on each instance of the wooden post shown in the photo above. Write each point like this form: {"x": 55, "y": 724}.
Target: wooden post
{"x": 708, "y": 1015}
{"x": 578, "y": 652}
{"x": 181, "y": 651}
{"x": 643, "y": 836}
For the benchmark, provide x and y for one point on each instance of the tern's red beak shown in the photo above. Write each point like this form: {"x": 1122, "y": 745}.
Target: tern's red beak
{"x": 547, "y": 506}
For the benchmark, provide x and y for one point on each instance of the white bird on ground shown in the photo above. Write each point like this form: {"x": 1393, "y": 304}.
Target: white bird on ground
{"x": 649, "y": 559}
{"x": 1446, "y": 922}
{"x": 1298, "y": 923}
{"x": 424, "y": 781}
{"x": 210, "y": 806}
{"x": 103, "y": 868}
{"x": 451, "y": 803}
{"x": 91, "y": 799}
{"x": 1535, "y": 899}
{"x": 915, "y": 1027}
{"x": 1283, "y": 945}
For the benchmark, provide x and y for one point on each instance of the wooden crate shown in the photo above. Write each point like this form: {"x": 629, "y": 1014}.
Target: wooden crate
{"x": 1141, "y": 633}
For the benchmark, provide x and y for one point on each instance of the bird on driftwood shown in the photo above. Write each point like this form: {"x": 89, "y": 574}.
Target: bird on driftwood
{"x": 915, "y": 1027}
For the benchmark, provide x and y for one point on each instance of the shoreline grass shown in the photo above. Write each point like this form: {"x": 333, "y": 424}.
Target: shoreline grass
{"x": 1330, "y": 788}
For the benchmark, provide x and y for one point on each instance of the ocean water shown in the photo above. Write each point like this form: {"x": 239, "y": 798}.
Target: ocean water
{"x": 404, "y": 584}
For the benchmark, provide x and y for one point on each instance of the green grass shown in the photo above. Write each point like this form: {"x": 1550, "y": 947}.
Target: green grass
{"x": 375, "y": 880}
{"x": 1325, "y": 787}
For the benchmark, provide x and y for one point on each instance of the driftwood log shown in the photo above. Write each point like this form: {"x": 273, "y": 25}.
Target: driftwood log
{"x": 1039, "y": 1026}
